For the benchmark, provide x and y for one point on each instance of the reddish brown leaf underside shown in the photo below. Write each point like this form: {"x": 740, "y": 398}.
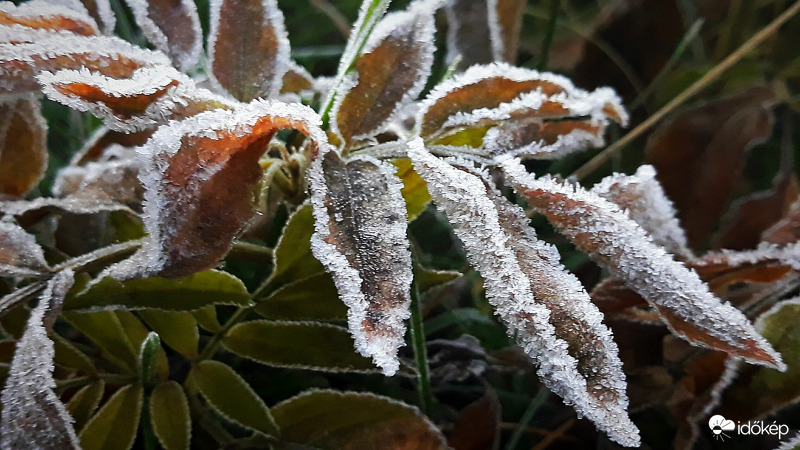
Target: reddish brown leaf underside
{"x": 176, "y": 22}
{"x": 123, "y": 106}
{"x": 23, "y": 155}
{"x": 486, "y": 93}
{"x": 52, "y": 23}
{"x": 786, "y": 230}
{"x": 477, "y": 425}
{"x": 509, "y": 15}
{"x": 97, "y": 144}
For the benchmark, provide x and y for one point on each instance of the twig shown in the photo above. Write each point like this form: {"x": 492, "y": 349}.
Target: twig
{"x": 695, "y": 88}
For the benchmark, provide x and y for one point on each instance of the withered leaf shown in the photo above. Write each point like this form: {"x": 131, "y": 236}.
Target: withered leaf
{"x": 296, "y": 80}
{"x": 477, "y": 426}
{"x": 642, "y": 197}
{"x": 391, "y": 72}
{"x": 23, "y": 145}
{"x": 700, "y": 154}
{"x": 115, "y": 181}
{"x": 248, "y": 48}
{"x": 33, "y": 416}
{"x": 524, "y": 112}
{"x": 767, "y": 263}
{"x": 618, "y": 244}
{"x": 41, "y": 14}
{"x": 741, "y": 227}
{"x": 20, "y": 255}
{"x": 200, "y": 176}
{"x": 505, "y": 23}
{"x": 173, "y": 27}
{"x": 360, "y": 238}
{"x": 151, "y": 96}
{"x": 544, "y": 307}
{"x": 483, "y": 31}
{"x": 26, "y": 53}
{"x": 104, "y": 144}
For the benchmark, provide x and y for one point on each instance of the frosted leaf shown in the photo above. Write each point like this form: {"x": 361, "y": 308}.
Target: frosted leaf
{"x": 716, "y": 263}
{"x": 25, "y": 53}
{"x": 483, "y": 31}
{"x": 33, "y": 416}
{"x": 555, "y": 327}
{"x": 248, "y": 48}
{"x": 360, "y": 238}
{"x": 23, "y": 144}
{"x": 43, "y": 205}
{"x": 390, "y": 72}
{"x": 20, "y": 255}
{"x": 643, "y": 198}
{"x": 200, "y": 176}
{"x": 505, "y": 24}
{"x": 149, "y": 97}
{"x": 368, "y": 15}
{"x": 787, "y": 229}
{"x": 99, "y": 10}
{"x": 44, "y": 15}
{"x": 618, "y": 244}
{"x": 499, "y": 92}
{"x": 297, "y": 80}
{"x": 173, "y": 27}
{"x": 105, "y": 144}
{"x": 115, "y": 180}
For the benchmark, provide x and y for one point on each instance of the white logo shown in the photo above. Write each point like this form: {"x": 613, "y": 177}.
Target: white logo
{"x": 719, "y": 425}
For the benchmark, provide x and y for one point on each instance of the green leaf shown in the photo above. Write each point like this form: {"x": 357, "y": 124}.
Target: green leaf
{"x": 180, "y": 294}
{"x": 177, "y": 329}
{"x": 137, "y": 333}
{"x": 206, "y": 317}
{"x": 415, "y": 191}
{"x": 232, "y": 397}
{"x": 68, "y": 356}
{"x": 464, "y": 137}
{"x": 312, "y": 298}
{"x": 83, "y": 404}
{"x": 169, "y": 414}
{"x": 427, "y": 279}
{"x": 105, "y": 330}
{"x": 147, "y": 359}
{"x": 352, "y": 420}
{"x": 759, "y": 391}
{"x": 292, "y": 257}
{"x": 114, "y": 426}
{"x": 306, "y": 345}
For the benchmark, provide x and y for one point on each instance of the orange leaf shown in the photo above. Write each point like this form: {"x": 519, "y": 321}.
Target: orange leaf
{"x": 23, "y": 149}
{"x": 44, "y": 15}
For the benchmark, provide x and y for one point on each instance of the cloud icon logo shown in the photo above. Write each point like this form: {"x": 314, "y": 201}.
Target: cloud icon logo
{"x": 719, "y": 425}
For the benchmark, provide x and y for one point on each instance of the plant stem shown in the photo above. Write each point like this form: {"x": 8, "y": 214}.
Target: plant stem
{"x": 555, "y": 6}
{"x": 527, "y": 416}
{"x": 696, "y": 87}
{"x": 216, "y": 341}
{"x": 420, "y": 353}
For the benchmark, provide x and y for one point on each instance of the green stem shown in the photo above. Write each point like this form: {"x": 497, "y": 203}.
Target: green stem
{"x": 555, "y": 6}
{"x": 534, "y": 406}
{"x": 213, "y": 345}
{"x": 690, "y": 92}
{"x": 420, "y": 353}
{"x": 149, "y": 440}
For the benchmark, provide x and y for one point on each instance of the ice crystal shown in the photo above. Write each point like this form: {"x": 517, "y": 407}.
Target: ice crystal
{"x": 33, "y": 416}
{"x": 360, "y": 238}
{"x": 42, "y": 14}
{"x": 622, "y": 247}
{"x": 643, "y": 198}
{"x": 513, "y": 264}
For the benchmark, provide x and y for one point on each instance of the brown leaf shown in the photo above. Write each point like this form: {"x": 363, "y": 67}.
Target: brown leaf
{"x": 700, "y": 154}
{"x": 104, "y": 139}
{"x": 115, "y": 181}
{"x": 765, "y": 264}
{"x": 40, "y": 14}
{"x": 612, "y": 295}
{"x": 25, "y": 54}
{"x": 477, "y": 425}
{"x": 749, "y": 217}
{"x": 248, "y": 48}
{"x": 173, "y": 27}
{"x": 296, "y": 80}
{"x": 23, "y": 148}
{"x": 20, "y": 255}
{"x": 360, "y": 238}
{"x": 150, "y": 97}
{"x": 101, "y": 12}
{"x": 200, "y": 176}
{"x": 468, "y": 33}
{"x": 619, "y": 245}
{"x": 505, "y": 39}
{"x": 391, "y": 72}
{"x": 786, "y": 230}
